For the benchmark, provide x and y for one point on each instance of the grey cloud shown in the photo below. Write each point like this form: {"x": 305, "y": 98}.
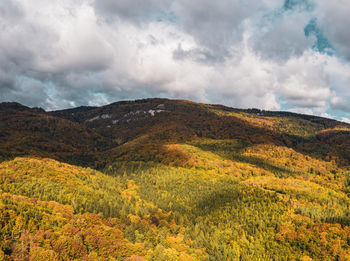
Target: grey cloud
{"x": 307, "y": 103}
{"x": 22, "y": 43}
{"x": 28, "y": 93}
{"x": 200, "y": 55}
{"x": 283, "y": 38}
{"x": 38, "y": 59}
{"x": 214, "y": 24}
{"x": 300, "y": 95}
{"x": 217, "y": 25}
{"x": 10, "y": 10}
{"x": 338, "y": 103}
{"x": 83, "y": 55}
{"x": 91, "y": 52}
{"x": 136, "y": 11}
{"x": 335, "y": 21}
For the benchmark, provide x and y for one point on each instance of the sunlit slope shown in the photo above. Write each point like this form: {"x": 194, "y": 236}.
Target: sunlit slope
{"x": 297, "y": 205}
{"x": 180, "y": 181}
{"x": 197, "y": 208}
{"x": 251, "y": 218}
{"x": 46, "y": 203}
{"x": 174, "y": 216}
{"x": 32, "y": 229}
{"x": 146, "y": 125}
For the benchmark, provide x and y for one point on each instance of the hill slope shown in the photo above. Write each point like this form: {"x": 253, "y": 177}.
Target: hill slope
{"x": 177, "y": 180}
{"x": 26, "y": 131}
{"x": 94, "y": 136}
{"x": 181, "y": 121}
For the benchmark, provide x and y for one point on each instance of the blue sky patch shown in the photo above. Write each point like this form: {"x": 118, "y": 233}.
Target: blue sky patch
{"x": 322, "y": 44}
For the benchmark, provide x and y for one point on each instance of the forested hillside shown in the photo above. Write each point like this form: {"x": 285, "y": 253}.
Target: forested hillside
{"x": 160, "y": 179}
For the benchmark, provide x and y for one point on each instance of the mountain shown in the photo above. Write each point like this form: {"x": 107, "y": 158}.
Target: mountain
{"x": 160, "y": 179}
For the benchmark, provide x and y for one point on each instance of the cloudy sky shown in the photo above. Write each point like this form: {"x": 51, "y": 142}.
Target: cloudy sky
{"x": 269, "y": 54}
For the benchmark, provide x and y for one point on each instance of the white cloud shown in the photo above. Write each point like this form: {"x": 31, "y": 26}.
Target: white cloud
{"x": 346, "y": 120}
{"x": 303, "y": 81}
{"x": 240, "y": 53}
{"x": 244, "y": 81}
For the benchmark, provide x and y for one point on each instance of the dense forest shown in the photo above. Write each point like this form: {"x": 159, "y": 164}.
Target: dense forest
{"x": 160, "y": 179}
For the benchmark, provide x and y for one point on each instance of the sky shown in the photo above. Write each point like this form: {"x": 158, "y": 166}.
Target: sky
{"x": 270, "y": 54}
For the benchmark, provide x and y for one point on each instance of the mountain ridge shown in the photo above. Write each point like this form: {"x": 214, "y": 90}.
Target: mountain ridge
{"x": 172, "y": 180}
{"x": 223, "y": 107}
{"x": 119, "y": 123}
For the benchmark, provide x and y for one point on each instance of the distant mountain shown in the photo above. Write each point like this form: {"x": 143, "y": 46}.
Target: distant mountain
{"x": 93, "y": 136}
{"x": 160, "y": 179}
